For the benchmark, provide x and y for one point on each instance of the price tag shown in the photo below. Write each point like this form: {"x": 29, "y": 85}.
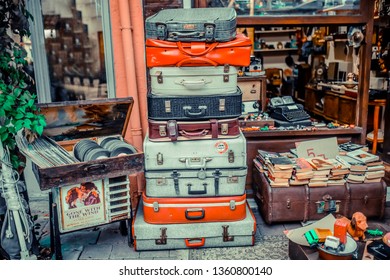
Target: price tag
{"x": 326, "y": 148}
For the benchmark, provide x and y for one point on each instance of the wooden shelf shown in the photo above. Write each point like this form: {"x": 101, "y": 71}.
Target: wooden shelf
{"x": 276, "y": 50}
{"x": 275, "y": 31}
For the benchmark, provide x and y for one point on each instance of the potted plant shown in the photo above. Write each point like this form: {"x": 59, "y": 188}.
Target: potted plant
{"x": 18, "y": 112}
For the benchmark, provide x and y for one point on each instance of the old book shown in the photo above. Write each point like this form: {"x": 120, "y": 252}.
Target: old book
{"x": 375, "y": 174}
{"x": 296, "y": 182}
{"x": 363, "y": 156}
{"x": 279, "y": 173}
{"x": 336, "y": 182}
{"x": 375, "y": 180}
{"x": 356, "y": 178}
{"x": 304, "y": 175}
{"x": 317, "y": 184}
{"x": 319, "y": 163}
{"x": 302, "y": 165}
{"x": 281, "y": 163}
{"x": 351, "y": 163}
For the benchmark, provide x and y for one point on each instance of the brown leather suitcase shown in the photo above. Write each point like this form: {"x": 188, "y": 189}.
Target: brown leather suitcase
{"x": 286, "y": 204}
{"x": 173, "y": 130}
{"x": 281, "y": 204}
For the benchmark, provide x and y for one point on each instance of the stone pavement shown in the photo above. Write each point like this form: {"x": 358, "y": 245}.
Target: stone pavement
{"x": 106, "y": 242}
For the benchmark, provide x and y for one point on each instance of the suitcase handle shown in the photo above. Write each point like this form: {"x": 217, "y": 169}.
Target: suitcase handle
{"x": 195, "y": 210}
{"x": 193, "y": 84}
{"x": 201, "y": 113}
{"x": 204, "y": 191}
{"x": 194, "y": 134}
{"x": 209, "y": 49}
{"x": 191, "y": 242}
{"x": 203, "y": 163}
{"x": 197, "y": 60}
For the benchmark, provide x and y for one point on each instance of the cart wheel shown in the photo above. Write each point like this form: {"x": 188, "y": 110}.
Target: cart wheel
{"x": 123, "y": 228}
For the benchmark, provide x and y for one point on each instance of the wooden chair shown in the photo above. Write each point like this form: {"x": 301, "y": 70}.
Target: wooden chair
{"x": 378, "y": 104}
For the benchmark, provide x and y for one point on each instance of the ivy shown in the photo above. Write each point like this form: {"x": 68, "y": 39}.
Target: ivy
{"x": 17, "y": 90}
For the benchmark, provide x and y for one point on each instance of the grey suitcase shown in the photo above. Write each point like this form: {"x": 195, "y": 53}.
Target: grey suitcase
{"x": 192, "y": 235}
{"x": 195, "y": 183}
{"x": 202, "y": 80}
{"x": 192, "y": 107}
{"x": 195, "y": 155}
{"x": 197, "y": 25}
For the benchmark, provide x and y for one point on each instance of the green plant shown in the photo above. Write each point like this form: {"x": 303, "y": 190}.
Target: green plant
{"x": 18, "y": 98}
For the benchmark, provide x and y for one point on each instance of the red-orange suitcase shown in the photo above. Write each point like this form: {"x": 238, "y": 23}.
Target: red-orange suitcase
{"x": 179, "y": 210}
{"x": 161, "y": 53}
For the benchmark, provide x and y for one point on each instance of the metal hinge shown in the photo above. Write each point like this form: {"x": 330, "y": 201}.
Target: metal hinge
{"x": 175, "y": 175}
{"x": 160, "y": 159}
{"x": 155, "y": 206}
{"x": 163, "y": 237}
{"x": 225, "y": 234}
{"x": 222, "y": 104}
{"x": 226, "y": 70}
{"x": 162, "y": 129}
{"x": 232, "y": 204}
{"x": 159, "y": 75}
{"x": 231, "y": 156}
{"x": 168, "y": 108}
{"x": 224, "y": 128}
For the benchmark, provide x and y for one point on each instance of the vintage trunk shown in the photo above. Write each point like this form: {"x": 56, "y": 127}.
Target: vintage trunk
{"x": 195, "y": 155}
{"x": 161, "y": 53}
{"x": 222, "y": 106}
{"x": 192, "y": 235}
{"x": 196, "y": 183}
{"x": 177, "y": 210}
{"x": 280, "y": 204}
{"x": 72, "y": 121}
{"x": 173, "y": 130}
{"x": 202, "y": 24}
{"x": 368, "y": 198}
{"x": 195, "y": 81}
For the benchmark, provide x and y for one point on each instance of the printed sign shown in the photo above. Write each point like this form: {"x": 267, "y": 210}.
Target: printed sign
{"x": 326, "y": 148}
{"x": 82, "y": 205}
{"x": 221, "y": 147}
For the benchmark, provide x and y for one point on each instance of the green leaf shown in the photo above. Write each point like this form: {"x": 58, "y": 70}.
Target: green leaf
{"x": 39, "y": 130}
{"x": 18, "y": 125}
{"x": 4, "y": 137}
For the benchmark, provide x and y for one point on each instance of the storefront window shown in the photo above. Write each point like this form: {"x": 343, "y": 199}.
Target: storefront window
{"x": 289, "y": 7}
{"x": 69, "y": 39}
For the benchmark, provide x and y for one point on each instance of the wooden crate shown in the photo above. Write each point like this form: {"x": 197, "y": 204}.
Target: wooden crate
{"x": 71, "y": 121}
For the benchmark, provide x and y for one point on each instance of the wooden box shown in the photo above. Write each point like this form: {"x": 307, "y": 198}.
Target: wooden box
{"x": 253, "y": 89}
{"x": 71, "y": 121}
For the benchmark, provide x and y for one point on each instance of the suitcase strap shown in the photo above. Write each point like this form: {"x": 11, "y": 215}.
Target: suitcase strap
{"x": 197, "y": 49}
{"x": 216, "y": 174}
{"x": 175, "y": 175}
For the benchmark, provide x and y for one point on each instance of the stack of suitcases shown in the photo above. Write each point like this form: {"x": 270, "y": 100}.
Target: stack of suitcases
{"x": 195, "y": 153}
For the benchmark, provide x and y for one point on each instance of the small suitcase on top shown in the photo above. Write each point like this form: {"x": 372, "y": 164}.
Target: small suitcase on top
{"x": 177, "y": 210}
{"x": 202, "y": 24}
{"x": 163, "y": 53}
{"x": 192, "y": 107}
{"x": 202, "y": 80}
{"x": 173, "y": 130}
{"x": 192, "y": 235}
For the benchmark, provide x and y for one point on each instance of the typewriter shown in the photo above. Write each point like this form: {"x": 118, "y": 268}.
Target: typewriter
{"x": 286, "y": 112}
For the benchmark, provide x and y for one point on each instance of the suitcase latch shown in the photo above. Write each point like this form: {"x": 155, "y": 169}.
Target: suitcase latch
{"x": 224, "y": 129}
{"x": 162, "y": 129}
{"x": 209, "y": 32}
{"x": 232, "y": 180}
{"x": 288, "y": 204}
{"x": 222, "y": 104}
{"x": 172, "y": 130}
{"x": 232, "y": 204}
{"x": 163, "y": 237}
{"x": 160, "y": 79}
{"x": 231, "y": 156}
{"x": 225, "y": 234}
{"x": 161, "y": 31}
{"x": 226, "y": 76}
{"x": 160, "y": 159}
{"x": 155, "y": 206}
{"x": 167, "y": 106}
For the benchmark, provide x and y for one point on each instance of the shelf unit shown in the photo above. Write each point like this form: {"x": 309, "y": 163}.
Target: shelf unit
{"x": 364, "y": 16}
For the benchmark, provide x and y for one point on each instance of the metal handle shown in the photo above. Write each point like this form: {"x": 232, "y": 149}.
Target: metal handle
{"x": 187, "y": 112}
{"x": 202, "y": 53}
{"x": 197, "y": 192}
{"x": 193, "y": 85}
{"x": 95, "y": 167}
{"x": 189, "y": 214}
{"x": 190, "y": 165}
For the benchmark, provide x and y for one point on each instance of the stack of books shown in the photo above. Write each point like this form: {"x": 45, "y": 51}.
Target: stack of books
{"x": 321, "y": 168}
{"x": 303, "y": 172}
{"x": 279, "y": 171}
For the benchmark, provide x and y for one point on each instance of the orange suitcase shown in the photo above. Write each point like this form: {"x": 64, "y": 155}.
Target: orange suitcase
{"x": 193, "y": 210}
{"x": 164, "y": 53}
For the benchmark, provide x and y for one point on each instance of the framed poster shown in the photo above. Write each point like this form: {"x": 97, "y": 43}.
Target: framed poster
{"x": 82, "y": 205}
